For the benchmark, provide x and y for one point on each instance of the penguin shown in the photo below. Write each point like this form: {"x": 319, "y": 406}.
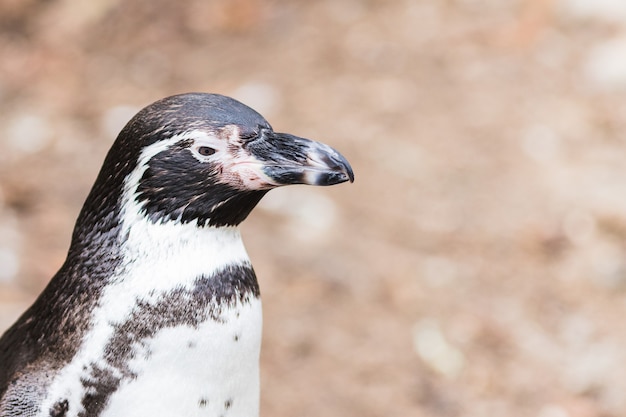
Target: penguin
{"x": 156, "y": 310}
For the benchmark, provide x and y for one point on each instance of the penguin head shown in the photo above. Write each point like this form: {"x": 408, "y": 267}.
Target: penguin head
{"x": 209, "y": 159}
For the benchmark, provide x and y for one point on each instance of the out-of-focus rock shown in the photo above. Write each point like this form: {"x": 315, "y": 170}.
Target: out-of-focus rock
{"x": 28, "y": 132}
{"x": 605, "y": 65}
{"x": 435, "y": 350}
{"x": 604, "y": 10}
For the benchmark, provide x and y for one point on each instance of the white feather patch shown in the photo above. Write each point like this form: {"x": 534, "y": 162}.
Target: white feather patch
{"x": 209, "y": 371}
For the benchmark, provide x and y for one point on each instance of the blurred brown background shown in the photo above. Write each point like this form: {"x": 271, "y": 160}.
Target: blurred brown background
{"x": 476, "y": 267}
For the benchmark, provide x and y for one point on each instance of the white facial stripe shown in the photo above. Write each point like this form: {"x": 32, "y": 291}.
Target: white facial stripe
{"x": 131, "y": 210}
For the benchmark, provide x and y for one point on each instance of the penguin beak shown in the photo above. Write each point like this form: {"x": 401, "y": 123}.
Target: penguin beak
{"x": 288, "y": 159}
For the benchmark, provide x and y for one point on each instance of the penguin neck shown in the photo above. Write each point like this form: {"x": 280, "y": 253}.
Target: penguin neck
{"x": 181, "y": 252}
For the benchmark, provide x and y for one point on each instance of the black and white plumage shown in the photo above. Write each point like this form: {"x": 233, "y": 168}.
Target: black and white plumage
{"x": 156, "y": 310}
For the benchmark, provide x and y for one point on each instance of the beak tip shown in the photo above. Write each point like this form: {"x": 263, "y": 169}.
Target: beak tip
{"x": 347, "y": 174}
{"x": 350, "y": 174}
{"x": 307, "y": 162}
{"x": 346, "y": 169}
{"x": 339, "y": 171}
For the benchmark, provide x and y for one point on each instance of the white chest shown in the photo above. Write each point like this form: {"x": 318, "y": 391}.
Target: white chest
{"x": 176, "y": 333}
{"x": 211, "y": 370}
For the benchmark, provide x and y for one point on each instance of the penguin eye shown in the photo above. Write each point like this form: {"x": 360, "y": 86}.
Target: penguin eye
{"x": 206, "y": 151}
{"x": 203, "y": 150}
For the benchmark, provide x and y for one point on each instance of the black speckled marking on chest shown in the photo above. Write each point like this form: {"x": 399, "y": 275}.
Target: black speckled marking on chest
{"x": 205, "y": 301}
{"x": 59, "y": 409}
